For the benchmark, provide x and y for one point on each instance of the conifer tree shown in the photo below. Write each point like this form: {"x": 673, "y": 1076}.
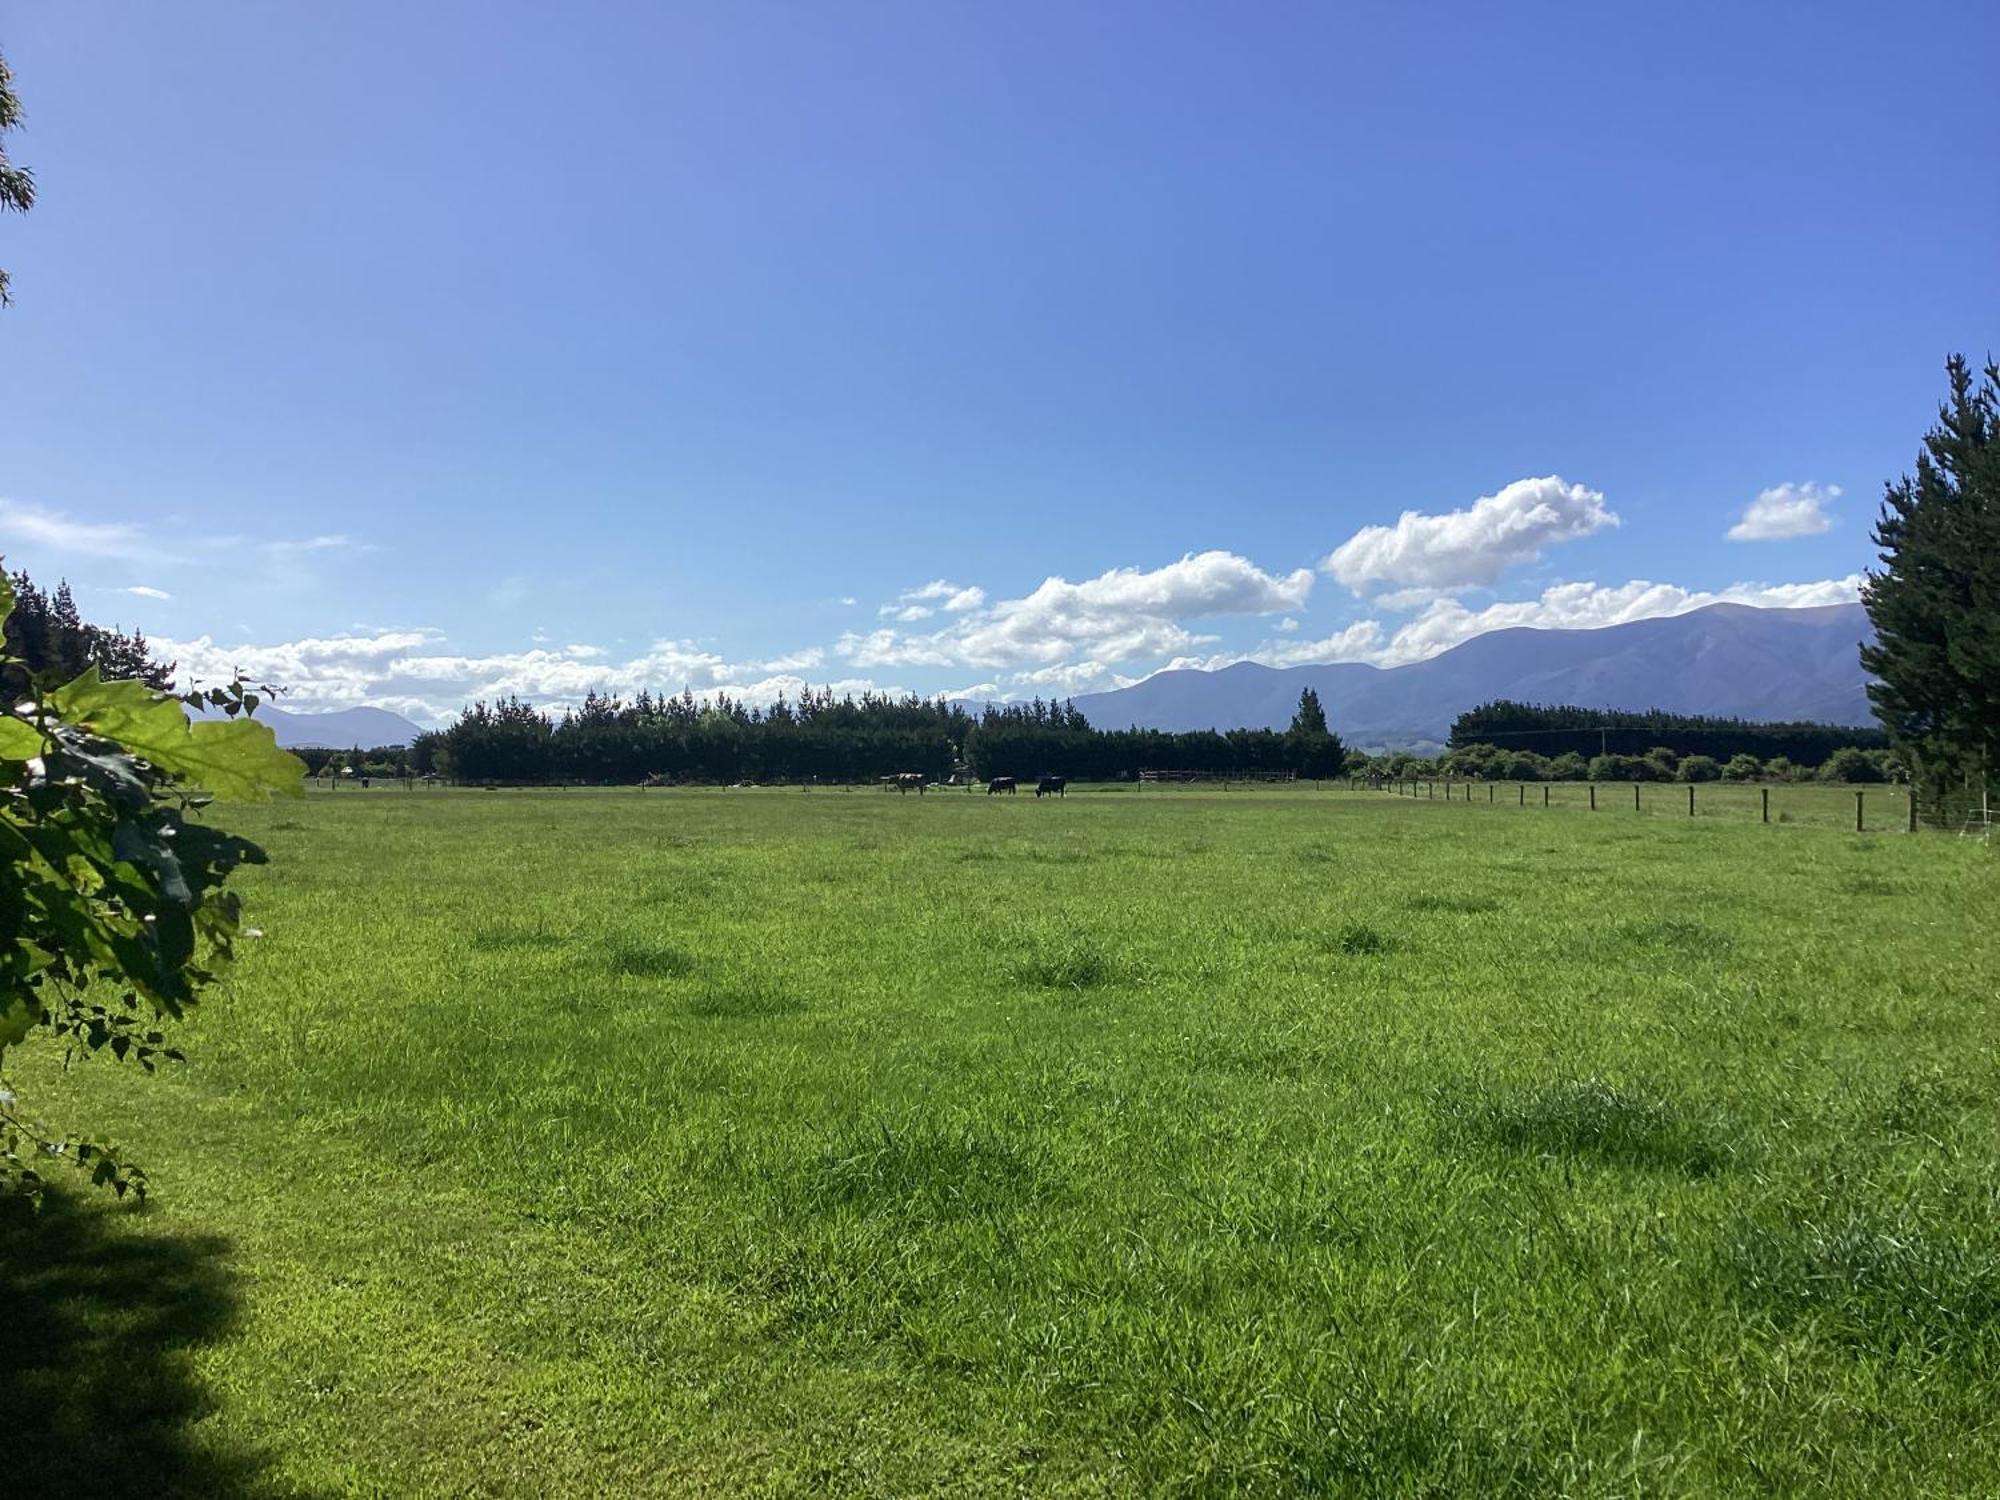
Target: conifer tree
{"x": 1935, "y": 604}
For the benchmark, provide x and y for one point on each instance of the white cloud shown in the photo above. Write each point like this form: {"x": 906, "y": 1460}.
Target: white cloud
{"x": 1786, "y": 510}
{"x": 145, "y": 592}
{"x": 1068, "y": 679}
{"x": 35, "y": 525}
{"x": 1361, "y": 641}
{"x": 923, "y": 602}
{"x": 949, "y": 596}
{"x": 401, "y": 670}
{"x": 1288, "y": 625}
{"x": 1471, "y": 547}
{"x": 1586, "y": 606}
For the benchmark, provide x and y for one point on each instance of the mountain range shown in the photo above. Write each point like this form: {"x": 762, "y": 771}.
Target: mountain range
{"x": 339, "y": 729}
{"x": 1731, "y": 660}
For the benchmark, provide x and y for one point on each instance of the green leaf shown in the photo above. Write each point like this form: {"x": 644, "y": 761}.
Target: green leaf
{"x": 6, "y": 597}
{"x": 19, "y": 740}
{"x": 235, "y": 758}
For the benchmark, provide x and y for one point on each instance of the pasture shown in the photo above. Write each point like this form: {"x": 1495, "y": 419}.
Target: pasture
{"x": 1177, "y": 1142}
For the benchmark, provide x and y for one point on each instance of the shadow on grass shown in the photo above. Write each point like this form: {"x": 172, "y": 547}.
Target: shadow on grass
{"x": 96, "y": 1330}
{"x": 1580, "y": 1117}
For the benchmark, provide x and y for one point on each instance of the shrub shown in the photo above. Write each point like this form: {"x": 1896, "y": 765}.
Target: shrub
{"x": 1743, "y": 768}
{"x": 1850, "y": 764}
{"x": 1620, "y": 768}
{"x": 1569, "y": 766}
{"x": 1700, "y": 768}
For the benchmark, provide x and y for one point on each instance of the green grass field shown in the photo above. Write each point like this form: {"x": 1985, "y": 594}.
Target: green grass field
{"x": 1171, "y": 1142}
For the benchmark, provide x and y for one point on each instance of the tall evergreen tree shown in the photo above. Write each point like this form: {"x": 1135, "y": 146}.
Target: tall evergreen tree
{"x": 1935, "y": 604}
{"x": 1314, "y": 749}
{"x": 1311, "y": 718}
{"x": 47, "y": 633}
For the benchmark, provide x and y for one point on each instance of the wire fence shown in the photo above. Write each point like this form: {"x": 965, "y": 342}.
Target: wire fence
{"x": 1875, "y": 808}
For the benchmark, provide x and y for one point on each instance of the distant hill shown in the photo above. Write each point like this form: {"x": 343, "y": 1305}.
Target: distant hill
{"x": 340, "y": 729}
{"x": 1727, "y": 659}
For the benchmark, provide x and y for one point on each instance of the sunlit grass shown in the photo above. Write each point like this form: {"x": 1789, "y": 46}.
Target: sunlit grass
{"x": 1146, "y": 1142}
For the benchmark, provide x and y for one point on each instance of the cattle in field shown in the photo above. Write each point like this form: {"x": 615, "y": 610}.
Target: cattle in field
{"x": 1001, "y": 784}
{"x": 909, "y": 781}
{"x": 1051, "y": 786}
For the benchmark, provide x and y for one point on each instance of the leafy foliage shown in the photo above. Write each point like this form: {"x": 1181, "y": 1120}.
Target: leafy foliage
{"x": 17, "y": 184}
{"x": 1936, "y": 603}
{"x": 113, "y": 912}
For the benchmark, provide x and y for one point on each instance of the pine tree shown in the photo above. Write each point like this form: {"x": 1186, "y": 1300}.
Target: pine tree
{"x": 1313, "y": 749}
{"x": 1311, "y": 718}
{"x": 1936, "y": 603}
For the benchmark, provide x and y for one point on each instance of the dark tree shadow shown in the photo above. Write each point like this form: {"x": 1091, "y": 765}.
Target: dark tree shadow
{"x": 96, "y": 1330}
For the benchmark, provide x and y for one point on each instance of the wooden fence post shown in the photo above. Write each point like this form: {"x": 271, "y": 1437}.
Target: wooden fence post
{"x": 1593, "y": 796}
{"x": 1913, "y": 807}
{"x": 1524, "y": 794}
{"x": 1490, "y": 790}
{"x": 1690, "y": 799}
{"x": 1545, "y": 794}
{"x": 1767, "y": 802}
{"x": 1635, "y": 796}
{"x": 1857, "y": 810}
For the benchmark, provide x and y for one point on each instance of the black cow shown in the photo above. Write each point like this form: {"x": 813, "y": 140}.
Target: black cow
{"x": 910, "y": 781}
{"x": 1051, "y": 786}
{"x": 1001, "y": 784}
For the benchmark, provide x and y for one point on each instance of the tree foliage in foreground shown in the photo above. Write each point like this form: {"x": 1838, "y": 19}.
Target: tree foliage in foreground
{"x": 17, "y": 184}
{"x": 1936, "y": 602}
{"x": 113, "y": 912}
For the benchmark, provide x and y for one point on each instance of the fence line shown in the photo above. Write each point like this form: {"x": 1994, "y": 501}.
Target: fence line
{"x": 1719, "y": 803}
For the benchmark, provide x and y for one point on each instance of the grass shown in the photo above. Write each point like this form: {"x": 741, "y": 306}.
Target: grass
{"x": 1164, "y": 1142}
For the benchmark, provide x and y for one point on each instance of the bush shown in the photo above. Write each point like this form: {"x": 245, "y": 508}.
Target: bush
{"x": 1569, "y": 766}
{"x": 1621, "y": 768}
{"x": 1743, "y": 768}
{"x": 1777, "y": 768}
{"x": 1850, "y": 764}
{"x": 1700, "y": 768}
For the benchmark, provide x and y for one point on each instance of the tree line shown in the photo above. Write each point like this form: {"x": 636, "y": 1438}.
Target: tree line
{"x": 823, "y": 738}
{"x": 1550, "y": 730}
{"x": 1481, "y": 762}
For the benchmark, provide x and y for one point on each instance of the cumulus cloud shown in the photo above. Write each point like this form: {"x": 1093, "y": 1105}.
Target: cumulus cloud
{"x": 146, "y": 592}
{"x": 1786, "y": 510}
{"x": 1565, "y": 606}
{"x": 403, "y": 670}
{"x": 1361, "y": 641}
{"x": 1471, "y": 547}
{"x": 1586, "y": 606}
{"x": 1122, "y": 615}
{"x": 949, "y": 597}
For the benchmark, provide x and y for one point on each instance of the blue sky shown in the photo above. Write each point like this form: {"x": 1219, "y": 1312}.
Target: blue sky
{"x": 416, "y": 352}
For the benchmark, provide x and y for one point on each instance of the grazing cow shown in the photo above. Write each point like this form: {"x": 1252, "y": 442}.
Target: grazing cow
{"x": 1051, "y": 786}
{"x": 1001, "y": 784}
{"x": 910, "y": 781}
